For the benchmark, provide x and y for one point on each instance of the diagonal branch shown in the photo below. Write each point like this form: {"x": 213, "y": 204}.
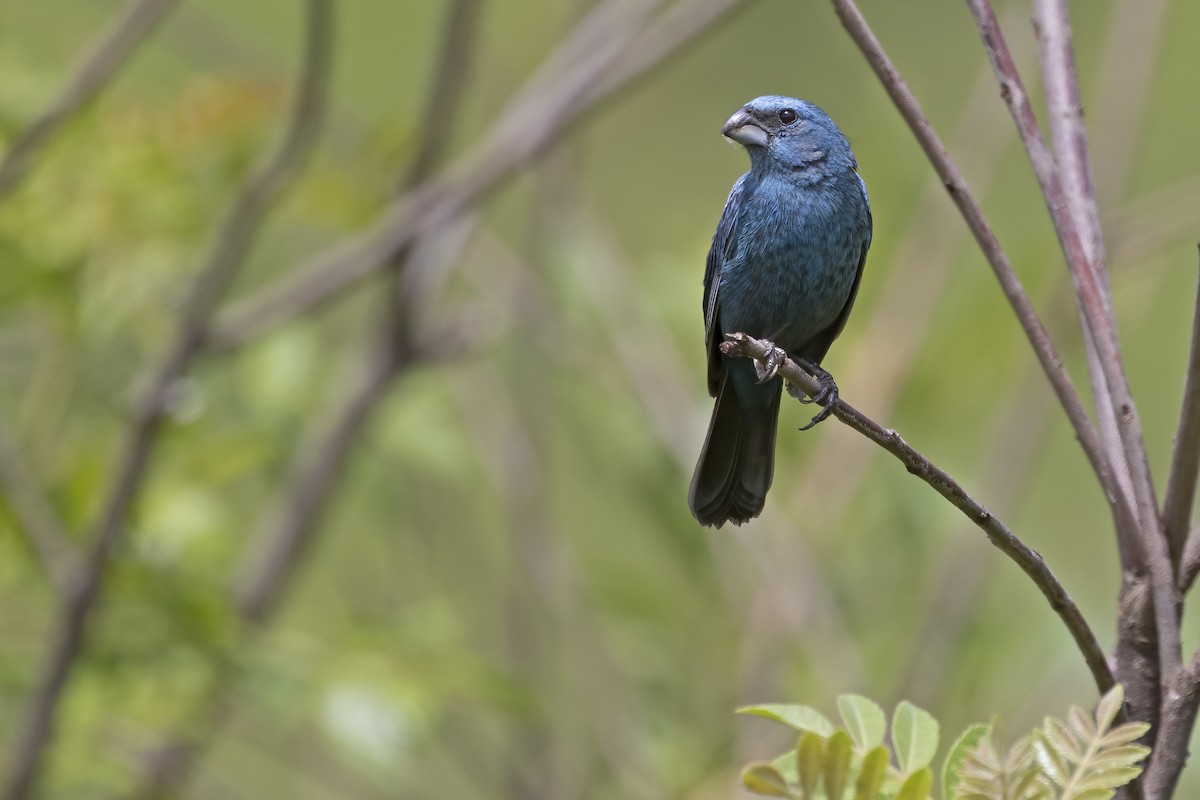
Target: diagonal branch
{"x": 89, "y": 78}
{"x": 588, "y": 70}
{"x": 1190, "y": 567}
{"x": 1185, "y": 458}
{"x": 226, "y": 256}
{"x": 1052, "y": 365}
{"x": 1028, "y": 559}
{"x": 1100, "y": 324}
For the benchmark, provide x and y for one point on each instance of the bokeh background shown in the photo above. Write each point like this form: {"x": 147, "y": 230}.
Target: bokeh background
{"x": 506, "y": 596}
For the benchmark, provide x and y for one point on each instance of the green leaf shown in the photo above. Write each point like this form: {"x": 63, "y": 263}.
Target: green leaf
{"x": 1123, "y": 734}
{"x": 1083, "y": 726}
{"x": 808, "y": 762}
{"x": 1121, "y": 756}
{"x": 967, "y": 740}
{"x": 1110, "y": 706}
{"x": 786, "y": 765}
{"x": 837, "y": 764}
{"x": 765, "y": 779}
{"x": 797, "y": 717}
{"x": 1094, "y": 794}
{"x": 917, "y": 786}
{"x": 1052, "y": 762}
{"x": 864, "y": 720}
{"x": 914, "y": 737}
{"x": 1056, "y": 733}
{"x": 871, "y": 774}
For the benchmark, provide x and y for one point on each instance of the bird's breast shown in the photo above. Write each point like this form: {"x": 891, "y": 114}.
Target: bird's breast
{"x": 798, "y": 251}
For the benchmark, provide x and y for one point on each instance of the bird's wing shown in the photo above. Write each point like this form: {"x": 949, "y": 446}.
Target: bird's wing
{"x": 820, "y": 344}
{"x": 724, "y": 247}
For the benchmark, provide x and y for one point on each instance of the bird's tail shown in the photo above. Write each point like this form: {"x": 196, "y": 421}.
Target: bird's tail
{"x": 738, "y": 460}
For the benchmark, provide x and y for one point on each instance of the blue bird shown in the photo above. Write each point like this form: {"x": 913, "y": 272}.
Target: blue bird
{"x": 785, "y": 265}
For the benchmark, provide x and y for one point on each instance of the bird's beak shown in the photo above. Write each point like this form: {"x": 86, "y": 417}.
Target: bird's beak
{"x": 742, "y": 129}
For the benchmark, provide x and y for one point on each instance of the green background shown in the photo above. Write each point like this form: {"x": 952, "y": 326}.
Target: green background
{"x": 508, "y": 597}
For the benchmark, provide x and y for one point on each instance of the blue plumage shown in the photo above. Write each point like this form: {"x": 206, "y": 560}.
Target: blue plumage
{"x": 784, "y": 265}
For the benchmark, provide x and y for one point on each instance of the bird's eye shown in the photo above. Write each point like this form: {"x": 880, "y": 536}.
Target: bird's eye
{"x": 787, "y": 116}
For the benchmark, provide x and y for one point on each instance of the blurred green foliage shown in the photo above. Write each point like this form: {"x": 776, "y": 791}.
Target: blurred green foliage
{"x": 508, "y": 597}
{"x": 1083, "y": 758}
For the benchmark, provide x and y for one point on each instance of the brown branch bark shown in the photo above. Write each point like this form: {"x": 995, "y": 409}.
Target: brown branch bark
{"x": 226, "y": 256}
{"x": 585, "y": 74}
{"x": 1069, "y": 137}
{"x": 906, "y": 103}
{"x": 1185, "y": 459}
{"x": 1028, "y": 559}
{"x": 1191, "y": 561}
{"x": 1147, "y": 527}
{"x": 98, "y": 66}
{"x": 1178, "y": 720}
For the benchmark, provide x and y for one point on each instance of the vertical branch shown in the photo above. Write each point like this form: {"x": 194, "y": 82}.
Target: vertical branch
{"x": 1069, "y": 137}
{"x": 906, "y": 103}
{"x": 227, "y": 254}
{"x": 89, "y": 78}
{"x": 1185, "y": 458}
{"x": 1149, "y": 539}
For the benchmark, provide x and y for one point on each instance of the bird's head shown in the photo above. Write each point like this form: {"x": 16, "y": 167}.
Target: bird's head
{"x": 788, "y": 133}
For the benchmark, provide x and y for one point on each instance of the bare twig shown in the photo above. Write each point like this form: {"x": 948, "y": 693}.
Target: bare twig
{"x": 35, "y": 517}
{"x": 1029, "y": 560}
{"x": 1048, "y": 357}
{"x": 1067, "y": 132}
{"x": 530, "y": 123}
{"x": 227, "y": 254}
{"x": 88, "y": 79}
{"x": 1191, "y": 561}
{"x": 1185, "y": 458}
{"x": 1102, "y": 328}
{"x": 899, "y": 325}
{"x": 317, "y": 468}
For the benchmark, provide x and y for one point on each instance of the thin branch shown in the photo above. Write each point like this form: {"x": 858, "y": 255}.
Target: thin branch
{"x": 1099, "y": 322}
{"x": 88, "y": 79}
{"x": 1191, "y": 561}
{"x": 445, "y": 92}
{"x": 1052, "y": 365}
{"x": 299, "y": 512}
{"x": 1069, "y": 137}
{"x": 1185, "y": 458}
{"x": 35, "y": 517}
{"x": 585, "y": 77}
{"x": 233, "y": 242}
{"x": 1029, "y": 560}
{"x": 1068, "y": 134}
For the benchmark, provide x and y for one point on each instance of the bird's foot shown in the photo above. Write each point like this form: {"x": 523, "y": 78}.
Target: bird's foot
{"x": 768, "y": 368}
{"x": 826, "y": 397}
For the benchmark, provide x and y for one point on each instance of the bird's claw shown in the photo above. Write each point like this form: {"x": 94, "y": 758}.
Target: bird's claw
{"x": 826, "y": 397}
{"x": 769, "y": 367}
